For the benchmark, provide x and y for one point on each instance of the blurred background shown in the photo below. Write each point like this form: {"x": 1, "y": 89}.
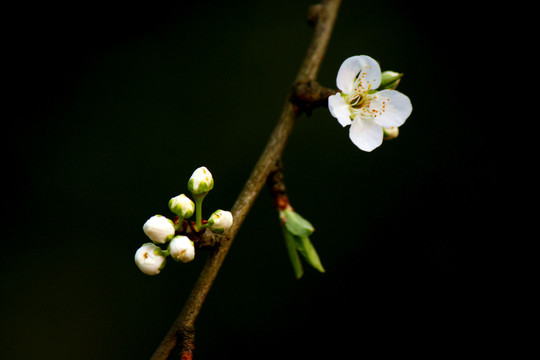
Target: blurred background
{"x": 112, "y": 107}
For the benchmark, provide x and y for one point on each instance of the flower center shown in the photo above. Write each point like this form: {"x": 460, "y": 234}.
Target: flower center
{"x": 358, "y": 97}
{"x": 367, "y": 105}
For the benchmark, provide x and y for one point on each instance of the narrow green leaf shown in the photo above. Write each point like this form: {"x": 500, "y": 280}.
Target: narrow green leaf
{"x": 293, "y": 254}
{"x": 297, "y": 225}
{"x": 305, "y": 247}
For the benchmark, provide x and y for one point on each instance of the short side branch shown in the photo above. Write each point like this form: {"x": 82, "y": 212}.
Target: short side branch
{"x": 277, "y": 188}
{"x": 308, "y": 95}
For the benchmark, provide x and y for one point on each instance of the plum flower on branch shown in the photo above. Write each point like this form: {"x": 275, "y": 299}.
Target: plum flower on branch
{"x": 370, "y": 113}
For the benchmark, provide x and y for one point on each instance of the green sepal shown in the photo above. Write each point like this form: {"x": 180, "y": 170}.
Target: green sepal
{"x": 166, "y": 252}
{"x": 159, "y": 251}
{"x": 162, "y": 266}
{"x": 203, "y": 187}
{"x": 296, "y": 224}
{"x": 170, "y": 237}
{"x": 180, "y": 212}
{"x": 291, "y": 245}
{"x": 216, "y": 230}
{"x": 170, "y": 205}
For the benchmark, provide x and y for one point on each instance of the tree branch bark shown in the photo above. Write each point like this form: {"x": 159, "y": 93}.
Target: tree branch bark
{"x": 181, "y": 333}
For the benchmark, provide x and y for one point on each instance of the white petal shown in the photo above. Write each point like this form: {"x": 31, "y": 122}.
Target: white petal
{"x": 201, "y": 181}
{"x": 159, "y": 229}
{"x": 182, "y": 249}
{"x": 339, "y": 109}
{"x": 148, "y": 261}
{"x": 361, "y": 66}
{"x": 394, "y": 108}
{"x": 366, "y": 134}
{"x": 221, "y": 219}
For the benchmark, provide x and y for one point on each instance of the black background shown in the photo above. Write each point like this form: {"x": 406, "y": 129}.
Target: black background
{"x": 110, "y": 109}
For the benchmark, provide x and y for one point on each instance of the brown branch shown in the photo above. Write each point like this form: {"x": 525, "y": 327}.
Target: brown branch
{"x": 180, "y": 335}
{"x": 308, "y": 95}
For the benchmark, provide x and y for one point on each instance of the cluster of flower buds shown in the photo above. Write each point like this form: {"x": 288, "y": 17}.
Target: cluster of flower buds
{"x": 179, "y": 234}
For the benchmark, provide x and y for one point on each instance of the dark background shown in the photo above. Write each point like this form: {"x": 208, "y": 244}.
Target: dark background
{"x": 112, "y": 107}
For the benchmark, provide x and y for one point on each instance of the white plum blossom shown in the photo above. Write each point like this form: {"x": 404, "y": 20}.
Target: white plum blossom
{"x": 368, "y": 112}
{"x": 182, "y": 249}
{"x": 150, "y": 259}
{"x": 159, "y": 229}
{"x": 220, "y": 221}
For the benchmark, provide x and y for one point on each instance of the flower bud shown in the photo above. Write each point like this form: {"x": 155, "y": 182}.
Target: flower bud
{"x": 201, "y": 181}
{"x": 390, "y": 80}
{"x": 150, "y": 259}
{"x": 220, "y": 221}
{"x": 159, "y": 229}
{"x": 182, "y": 206}
{"x": 182, "y": 249}
{"x": 390, "y": 133}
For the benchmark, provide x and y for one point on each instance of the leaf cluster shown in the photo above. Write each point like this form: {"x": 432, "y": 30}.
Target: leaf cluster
{"x": 296, "y": 231}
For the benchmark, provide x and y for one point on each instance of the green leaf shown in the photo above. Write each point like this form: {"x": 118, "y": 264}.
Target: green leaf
{"x": 296, "y": 224}
{"x": 307, "y": 250}
{"x": 291, "y": 244}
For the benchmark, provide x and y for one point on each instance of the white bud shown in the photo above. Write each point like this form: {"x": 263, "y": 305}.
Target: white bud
{"x": 389, "y": 80}
{"x": 390, "y": 133}
{"x": 150, "y": 259}
{"x": 201, "y": 181}
{"x": 182, "y": 206}
{"x": 182, "y": 249}
{"x": 220, "y": 221}
{"x": 159, "y": 229}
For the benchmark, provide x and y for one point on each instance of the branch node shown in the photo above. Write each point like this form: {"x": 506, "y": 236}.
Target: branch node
{"x": 314, "y": 13}
{"x": 308, "y": 95}
{"x": 206, "y": 239}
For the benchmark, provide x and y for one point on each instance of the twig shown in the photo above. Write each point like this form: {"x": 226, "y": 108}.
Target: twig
{"x": 308, "y": 95}
{"x": 276, "y": 186}
{"x": 181, "y": 333}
